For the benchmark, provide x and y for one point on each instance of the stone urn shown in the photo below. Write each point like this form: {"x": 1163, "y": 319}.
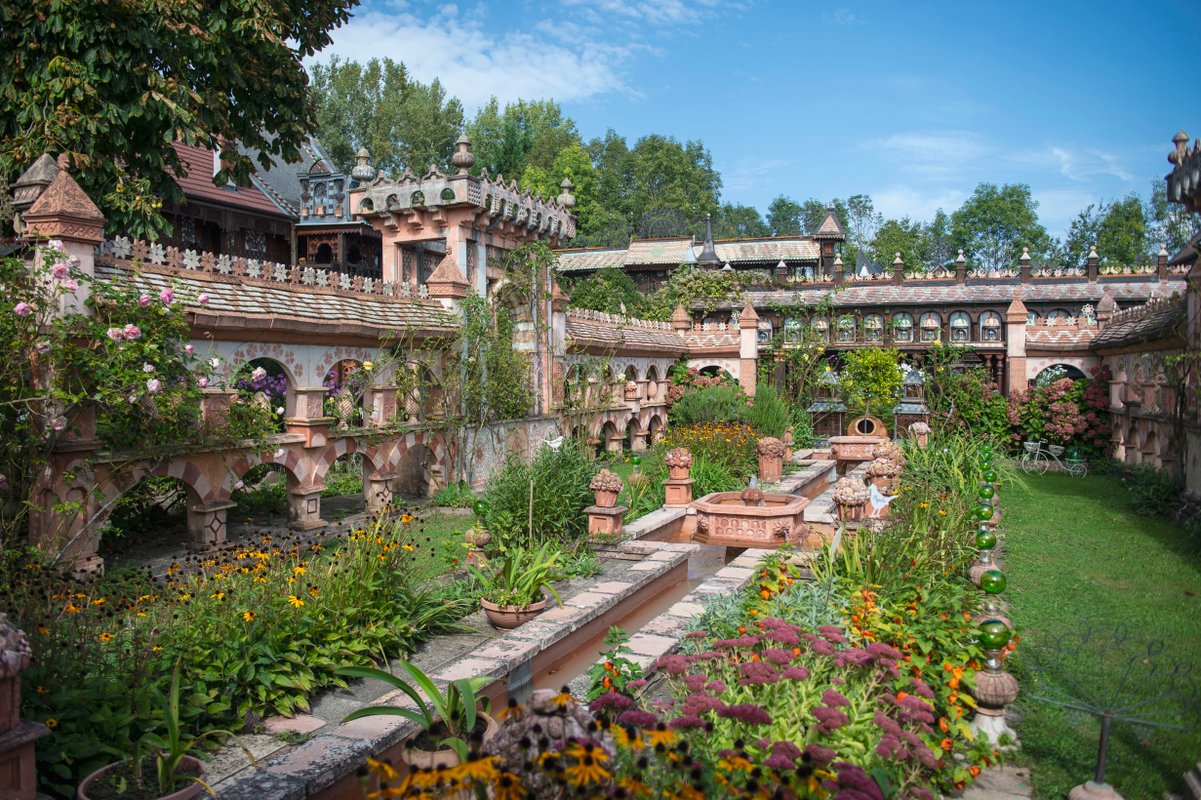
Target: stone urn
{"x": 882, "y": 471}
{"x": 771, "y": 459}
{"x": 606, "y": 486}
{"x": 850, "y": 497}
{"x": 631, "y": 390}
{"x": 344, "y": 408}
{"x": 920, "y": 432}
{"x": 890, "y": 450}
{"x": 678, "y": 461}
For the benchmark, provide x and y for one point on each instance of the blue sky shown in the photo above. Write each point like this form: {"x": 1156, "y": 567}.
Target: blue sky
{"x": 913, "y": 103}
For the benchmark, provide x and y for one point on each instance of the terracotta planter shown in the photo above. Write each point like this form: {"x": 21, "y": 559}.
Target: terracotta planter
{"x": 605, "y": 499}
{"x": 189, "y": 765}
{"x": 677, "y": 473}
{"x": 508, "y": 617}
{"x": 850, "y": 512}
{"x": 477, "y": 538}
{"x": 419, "y": 758}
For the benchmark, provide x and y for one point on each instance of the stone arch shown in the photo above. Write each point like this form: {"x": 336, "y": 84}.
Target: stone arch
{"x": 281, "y": 354}
{"x": 608, "y": 436}
{"x": 633, "y": 438}
{"x": 290, "y": 461}
{"x": 711, "y": 370}
{"x": 653, "y": 428}
{"x": 1069, "y": 371}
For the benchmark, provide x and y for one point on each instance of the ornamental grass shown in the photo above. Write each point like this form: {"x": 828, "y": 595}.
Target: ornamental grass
{"x": 257, "y": 626}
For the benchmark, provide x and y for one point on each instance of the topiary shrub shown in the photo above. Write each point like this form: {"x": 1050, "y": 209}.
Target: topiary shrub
{"x": 768, "y": 414}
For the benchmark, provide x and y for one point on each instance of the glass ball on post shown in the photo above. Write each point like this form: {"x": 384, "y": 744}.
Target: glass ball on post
{"x": 992, "y": 581}
{"x": 635, "y": 460}
{"x": 984, "y": 512}
{"x": 990, "y": 475}
{"x": 986, "y": 539}
{"x": 986, "y": 491}
{"x": 992, "y": 634}
{"x": 994, "y": 687}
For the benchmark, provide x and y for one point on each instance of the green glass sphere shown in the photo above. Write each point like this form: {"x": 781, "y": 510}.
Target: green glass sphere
{"x": 635, "y": 460}
{"x": 986, "y": 448}
{"x": 480, "y": 508}
{"x": 986, "y": 539}
{"x": 993, "y": 634}
{"x": 986, "y": 460}
{"x": 984, "y": 511}
{"x": 986, "y": 491}
{"x": 993, "y": 581}
{"x": 990, "y": 475}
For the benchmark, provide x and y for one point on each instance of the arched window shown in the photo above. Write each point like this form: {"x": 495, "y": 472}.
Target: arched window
{"x": 931, "y": 326}
{"x": 1031, "y": 318}
{"x": 792, "y": 329}
{"x": 961, "y": 327}
{"x": 846, "y": 328}
{"x": 822, "y": 329}
{"x": 1058, "y": 316}
{"x": 990, "y": 327}
{"x": 873, "y": 327}
{"x": 902, "y": 327}
{"x": 765, "y": 331}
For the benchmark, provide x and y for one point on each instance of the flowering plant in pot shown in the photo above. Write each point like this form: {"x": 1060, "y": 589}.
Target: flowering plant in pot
{"x": 607, "y": 486}
{"x": 161, "y": 767}
{"x": 449, "y": 719}
{"x": 512, "y": 590}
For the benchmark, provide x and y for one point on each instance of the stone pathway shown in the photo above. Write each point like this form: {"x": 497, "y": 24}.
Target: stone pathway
{"x": 1001, "y": 783}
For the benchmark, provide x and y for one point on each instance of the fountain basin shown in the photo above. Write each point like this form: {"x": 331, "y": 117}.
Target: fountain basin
{"x": 851, "y": 450}
{"x": 725, "y": 519}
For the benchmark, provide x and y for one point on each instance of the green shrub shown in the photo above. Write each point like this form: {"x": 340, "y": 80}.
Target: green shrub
{"x": 802, "y": 428}
{"x": 1152, "y": 493}
{"x": 344, "y": 477}
{"x": 457, "y": 495}
{"x": 709, "y": 477}
{"x": 722, "y": 403}
{"x": 769, "y": 415}
{"x": 560, "y": 479}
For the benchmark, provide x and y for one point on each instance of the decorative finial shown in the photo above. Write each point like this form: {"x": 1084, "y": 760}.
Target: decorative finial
{"x": 463, "y": 158}
{"x": 362, "y": 171}
{"x": 566, "y": 198}
{"x": 1178, "y": 155}
{"x": 64, "y": 162}
{"x": 896, "y": 261}
{"x": 1025, "y": 254}
{"x": 1163, "y": 249}
{"x": 1092, "y": 251}
{"x": 960, "y": 258}
{"x": 838, "y": 260}
{"x": 708, "y": 256}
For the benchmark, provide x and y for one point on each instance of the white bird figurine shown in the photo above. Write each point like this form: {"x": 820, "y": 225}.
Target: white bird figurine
{"x": 555, "y": 443}
{"x": 879, "y": 500}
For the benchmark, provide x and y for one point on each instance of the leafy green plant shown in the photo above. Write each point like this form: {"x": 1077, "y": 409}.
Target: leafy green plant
{"x": 870, "y": 380}
{"x": 1153, "y": 493}
{"x": 709, "y": 477}
{"x": 521, "y": 576}
{"x": 455, "y": 710}
{"x": 769, "y": 414}
{"x": 456, "y": 495}
{"x": 615, "y": 670}
{"x": 559, "y": 480}
{"x": 721, "y": 403}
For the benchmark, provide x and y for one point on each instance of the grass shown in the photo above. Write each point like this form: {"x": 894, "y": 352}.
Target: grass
{"x": 1075, "y": 555}
{"x": 441, "y": 538}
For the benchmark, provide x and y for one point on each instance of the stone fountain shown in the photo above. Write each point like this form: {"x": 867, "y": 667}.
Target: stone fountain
{"x": 750, "y": 518}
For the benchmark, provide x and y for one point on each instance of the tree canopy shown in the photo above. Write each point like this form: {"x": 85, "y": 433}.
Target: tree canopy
{"x": 113, "y": 85}
{"x": 996, "y": 222}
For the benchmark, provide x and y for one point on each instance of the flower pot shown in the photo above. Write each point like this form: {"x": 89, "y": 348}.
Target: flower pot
{"x": 677, "y": 473}
{"x": 605, "y": 499}
{"x": 509, "y": 617}
{"x": 477, "y": 537}
{"x": 188, "y": 766}
{"x": 420, "y": 758}
{"x": 849, "y": 512}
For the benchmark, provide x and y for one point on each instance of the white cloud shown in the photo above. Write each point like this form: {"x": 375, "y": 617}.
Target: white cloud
{"x": 474, "y": 64}
{"x": 1075, "y": 164}
{"x": 845, "y": 16}
{"x": 917, "y": 203}
{"x": 934, "y": 155}
{"x": 748, "y": 174}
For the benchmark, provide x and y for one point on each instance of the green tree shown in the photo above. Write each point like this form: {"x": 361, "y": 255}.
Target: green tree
{"x": 861, "y": 221}
{"x": 1122, "y": 234}
{"x": 610, "y": 290}
{"x": 665, "y": 174}
{"x": 995, "y": 223}
{"x": 785, "y": 217}
{"x": 1169, "y": 223}
{"x": 735, "y": 221}
{"x": 114, "y": 84}
{"x": 1082, "y": 234}
{"x": 870, "y": 380}
{"x": 378, "y": 105}
{"x": 937, "y": 245}
{"x": 899, "y": 236}
{"x": 522, "y": 134}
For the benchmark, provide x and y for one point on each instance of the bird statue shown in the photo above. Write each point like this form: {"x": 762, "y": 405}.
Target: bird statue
{"x": 879, "y": 500}
{"x": 555, "y": 443}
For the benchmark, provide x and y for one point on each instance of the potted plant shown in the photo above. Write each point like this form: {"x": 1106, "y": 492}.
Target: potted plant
{"x": 513, "y": 589}
{"x": 850, "y": 496}
{"x": 448, "y": 719}
{"x": 160, "y": 767}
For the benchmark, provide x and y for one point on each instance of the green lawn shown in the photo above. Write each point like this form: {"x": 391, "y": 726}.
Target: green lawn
{"x": 439, "y": 538}
{"x": 1075, "y": 555}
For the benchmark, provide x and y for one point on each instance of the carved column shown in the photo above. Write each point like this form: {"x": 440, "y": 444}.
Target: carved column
{"x": 206, "y": 523}
{"x": 306, "y": 415}
{"x": 304, "y": 507}
{"x": 18, "y": 773}
{"x": 748, "y": 349}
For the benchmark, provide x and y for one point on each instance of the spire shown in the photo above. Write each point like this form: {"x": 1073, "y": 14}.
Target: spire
{"x": 708, "y": 257}
{"x": 830, "y": 227}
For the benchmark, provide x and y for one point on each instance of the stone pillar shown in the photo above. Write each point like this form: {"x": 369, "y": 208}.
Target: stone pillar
{"x": 18, "y": 768}
{"x": 1015, "y": 341}
{"x": 206, "y": 524}
{"x": 380, "y": 403}
{"x": 1092, "y": 262}
{"x": 605, "y": 516}
{"x": 306, "y": 415}
{"x": 1161, "y": 262}
{"x": 748, "y": 349}
{"x": 377, "y": 490}
{"x": 678, "y": 485}
{"x": 1024, "y": 271}
{"x": 771, "y": 459}
{"x": 304, "y": 507}
{"x": 638, "y": 442}
{"x": 614, "y": 443}
{"x": 681, "y": 321}
{"x": 73, "y": 536}
{"x": 836, "y": 265}
{"x": 960, "y": 267}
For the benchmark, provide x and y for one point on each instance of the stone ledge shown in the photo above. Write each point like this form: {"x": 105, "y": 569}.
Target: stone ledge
{"x": 320, "y": 762}
{"x": 264, "y": 785}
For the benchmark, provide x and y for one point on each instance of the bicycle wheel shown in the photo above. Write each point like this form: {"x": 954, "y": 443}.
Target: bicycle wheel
{"x": 1025, "y": 463}
{"x": 1040, "y": 463}
{"x": 1077, "y": 469}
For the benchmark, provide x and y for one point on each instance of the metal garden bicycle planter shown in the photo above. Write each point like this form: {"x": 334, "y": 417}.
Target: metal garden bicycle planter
{"x": 1039, "y": 455}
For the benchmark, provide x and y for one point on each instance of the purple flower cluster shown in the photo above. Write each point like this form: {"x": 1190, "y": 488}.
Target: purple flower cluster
{"x": 757, "y": 673}
{"x": 745, "y": 712}
{"x": 829, "y": 719}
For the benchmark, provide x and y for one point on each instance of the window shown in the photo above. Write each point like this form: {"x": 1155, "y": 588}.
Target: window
{"x": 822, "y": 329}
{"x": 792, "y": 329}
{"x": 765, "y": 331}
{"x": 961, "y": 327}
{"x": 448, "y": 194}
{"x": 931, "y": 326}
{"x": 902, "y": 328}
{"x": 990, "y": 326}
{"x": 846, "y": 329}
{"x": 873, "y": 327}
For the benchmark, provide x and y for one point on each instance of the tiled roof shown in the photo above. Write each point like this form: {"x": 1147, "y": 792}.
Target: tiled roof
{"x": 572, "y": 260}
{"x": 199, "y": 186}
{"x": 913, "y": 293}
{"x": 618, "y": 337}
{"x": 671, "y": 252}
{"x": 282, "y": 180}
{"x": 830, "y": 226}
{"x": 773, "y": 250}
{"x": 1157, "y": 321}
{"x": 241, "y": 298}
{"x": 1055, "y": 338}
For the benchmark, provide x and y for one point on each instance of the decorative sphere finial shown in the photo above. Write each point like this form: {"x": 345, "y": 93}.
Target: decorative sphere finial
{"x": 566, "y": 198}
{"x": 463, "y": 158}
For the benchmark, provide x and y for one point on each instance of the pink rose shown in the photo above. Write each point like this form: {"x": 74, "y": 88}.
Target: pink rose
{"x": 258, "y": 374}
{"x": 153, "y": 385}
{"x": 72, "y": 285}
{"x": 60, "y": 270}
{"x": 167, "y": 296}
{"x": 131, "y": 332}
{"x": 116, "y": 334}
{"x": 22, "y": 309}
{"x": 147, "y": 368}
{"x": 143, "y": 300}
{"x": 202, "y": 382}
{"x": 203, "y": 299}
{"x": 58, "y": 423}
{"x": 55, "y": 244}
{"x": 189, "y": 349}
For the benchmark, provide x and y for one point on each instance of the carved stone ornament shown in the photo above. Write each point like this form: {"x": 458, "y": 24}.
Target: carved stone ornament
{"x": 678, "y": 457}
{"x": 884, "y": 468}
{"x": 605, "y": 481}
{"x": 770, "y": 447}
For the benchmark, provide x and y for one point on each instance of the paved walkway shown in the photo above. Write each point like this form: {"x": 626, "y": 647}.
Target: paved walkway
{"x": 1001, "y": 783}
